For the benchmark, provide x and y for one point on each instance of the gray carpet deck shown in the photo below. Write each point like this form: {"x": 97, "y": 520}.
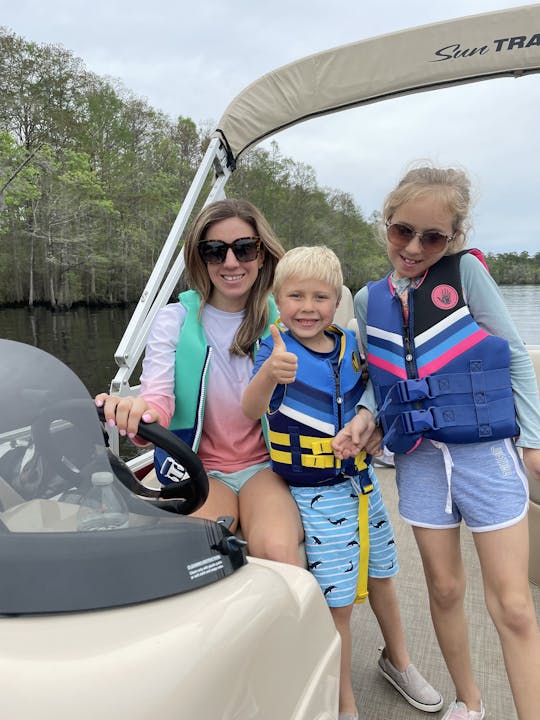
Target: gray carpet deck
{"x": 376, "y": 698}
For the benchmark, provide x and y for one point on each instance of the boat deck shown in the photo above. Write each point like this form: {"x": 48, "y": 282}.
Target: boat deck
{"x": 376, "y": 698}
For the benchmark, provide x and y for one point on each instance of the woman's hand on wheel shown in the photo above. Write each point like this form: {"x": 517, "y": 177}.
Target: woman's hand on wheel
{"x": 126, "y": 412}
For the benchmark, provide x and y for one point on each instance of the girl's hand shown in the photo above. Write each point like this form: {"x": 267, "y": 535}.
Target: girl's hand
{"x": 126, "y": 412}
{"x": 374, "y": 444}
{"x": 355, "y": 436}
{"x": 531, "y": 460}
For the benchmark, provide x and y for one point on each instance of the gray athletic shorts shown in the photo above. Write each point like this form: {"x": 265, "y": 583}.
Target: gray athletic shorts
{"x": 483, "y": 484}
{"x": 330, "y": 518}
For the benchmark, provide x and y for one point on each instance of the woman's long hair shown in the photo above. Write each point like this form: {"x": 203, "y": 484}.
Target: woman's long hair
{"x": 256, "y": 311}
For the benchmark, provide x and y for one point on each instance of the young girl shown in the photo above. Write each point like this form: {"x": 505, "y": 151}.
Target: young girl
{"x": 453, "y": 385}
{"x": 199, "y": 358}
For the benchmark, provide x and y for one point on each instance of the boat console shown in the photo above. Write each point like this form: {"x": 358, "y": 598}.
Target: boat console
{"x": 62, "y": 550}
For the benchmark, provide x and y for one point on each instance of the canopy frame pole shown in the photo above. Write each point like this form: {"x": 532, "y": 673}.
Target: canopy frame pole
{"x": 162, "y": 281}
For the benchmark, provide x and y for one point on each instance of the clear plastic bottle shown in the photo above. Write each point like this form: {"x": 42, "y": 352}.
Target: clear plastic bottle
{"x": 102, "y": 508}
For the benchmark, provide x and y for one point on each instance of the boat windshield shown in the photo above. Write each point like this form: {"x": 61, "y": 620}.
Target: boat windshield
{"x": 53, "y": 456}
{"x": 73, "y": 535}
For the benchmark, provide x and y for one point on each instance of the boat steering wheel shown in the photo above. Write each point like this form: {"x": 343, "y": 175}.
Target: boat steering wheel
{"x": 74, "y": 454}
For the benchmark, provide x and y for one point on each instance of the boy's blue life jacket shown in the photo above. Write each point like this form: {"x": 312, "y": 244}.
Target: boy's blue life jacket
{"x": 439, "y": 375}
{"x": 192, "y": 361}
{"x": 313, "y": 409}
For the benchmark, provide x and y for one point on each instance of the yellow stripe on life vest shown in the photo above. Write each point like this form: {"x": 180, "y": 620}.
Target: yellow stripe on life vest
{"x": 279, "y": 438}
{"x": 319, "y": 446}
{"x": 323, "y": 455}
{"x": 360, "y": 462}
{"x": 321, "y": 462}
{"x": 281, "y": 456}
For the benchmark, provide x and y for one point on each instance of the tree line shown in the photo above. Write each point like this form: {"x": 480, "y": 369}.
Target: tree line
{"x": 515, "y": 268}
{"x": 92, "y": 177}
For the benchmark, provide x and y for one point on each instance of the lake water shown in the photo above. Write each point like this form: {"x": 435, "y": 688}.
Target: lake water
{"x": 86, "y": 339}
{"x": 523, "y": 301}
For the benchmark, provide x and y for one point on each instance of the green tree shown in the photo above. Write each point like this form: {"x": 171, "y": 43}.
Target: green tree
{"x": 41, "y": 87}
{"x": 93, "y": 178}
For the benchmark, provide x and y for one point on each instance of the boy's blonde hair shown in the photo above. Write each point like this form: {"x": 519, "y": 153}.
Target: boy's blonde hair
{"x": 316, "y": 262}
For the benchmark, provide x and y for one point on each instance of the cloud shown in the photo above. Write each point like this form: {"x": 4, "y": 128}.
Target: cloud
{"x": 486, "y": 128}
{"x": 191, "y": 59}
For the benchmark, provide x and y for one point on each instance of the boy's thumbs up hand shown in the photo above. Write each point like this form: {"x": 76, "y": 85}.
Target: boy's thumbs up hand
{"x": 281, "y": 363}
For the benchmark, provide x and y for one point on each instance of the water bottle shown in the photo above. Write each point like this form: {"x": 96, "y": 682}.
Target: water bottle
{"x": 102, "y": 508}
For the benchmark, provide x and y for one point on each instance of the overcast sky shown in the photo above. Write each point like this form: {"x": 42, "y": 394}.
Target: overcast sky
{"x": 191, "y": 58}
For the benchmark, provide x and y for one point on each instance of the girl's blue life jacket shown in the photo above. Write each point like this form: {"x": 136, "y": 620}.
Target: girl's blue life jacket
{"x": 439, "y": 375}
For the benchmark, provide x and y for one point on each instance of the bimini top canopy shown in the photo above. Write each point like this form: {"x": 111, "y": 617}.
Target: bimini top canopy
{"x": 464, "y": 50}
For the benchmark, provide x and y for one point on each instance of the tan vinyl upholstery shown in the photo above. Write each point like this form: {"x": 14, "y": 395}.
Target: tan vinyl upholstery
{"x": 345, "y": 309}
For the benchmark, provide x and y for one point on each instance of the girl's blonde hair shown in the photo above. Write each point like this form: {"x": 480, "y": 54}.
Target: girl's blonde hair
{"x": 256, "y": 315}
{"x": 317, "y": 262}
{"x": 450, "y": 185}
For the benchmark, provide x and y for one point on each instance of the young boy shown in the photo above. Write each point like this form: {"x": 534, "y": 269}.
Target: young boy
{"x": 308, "y": 380}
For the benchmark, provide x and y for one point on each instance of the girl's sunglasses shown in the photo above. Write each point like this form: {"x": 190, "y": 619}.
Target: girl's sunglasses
{"x": 401, "y": 235}
{"x": 214, "y": 252}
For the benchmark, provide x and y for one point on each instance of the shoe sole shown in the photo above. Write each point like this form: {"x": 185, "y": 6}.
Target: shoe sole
{"x": 408, "y": 698}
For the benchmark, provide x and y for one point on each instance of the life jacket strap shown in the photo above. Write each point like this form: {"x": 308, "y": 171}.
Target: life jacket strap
{"x": 482, "y": 415}
{"x": 363, "y": 533}
{"x": 321, "y": 457}
{"x": 488, "y": 419}
{"x": 321, "y": 462}
{"x": 433, "y": 386}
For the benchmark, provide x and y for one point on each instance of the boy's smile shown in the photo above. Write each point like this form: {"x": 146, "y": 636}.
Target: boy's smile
{"x": 307, "y": 308}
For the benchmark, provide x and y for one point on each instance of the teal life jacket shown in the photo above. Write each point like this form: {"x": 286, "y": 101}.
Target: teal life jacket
{"x": 193, "y": 361}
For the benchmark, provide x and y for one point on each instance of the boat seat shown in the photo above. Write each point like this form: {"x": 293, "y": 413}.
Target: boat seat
{"x": 345, "y": 309}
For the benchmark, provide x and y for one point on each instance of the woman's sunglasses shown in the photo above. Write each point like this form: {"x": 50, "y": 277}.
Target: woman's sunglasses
{"x": 431, "y": 240}
{"x": 214, "y": 252}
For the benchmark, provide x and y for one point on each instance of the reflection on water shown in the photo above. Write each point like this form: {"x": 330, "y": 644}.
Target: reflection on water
{"x": 84, "y": 339}
{"x": 523, "y": 302}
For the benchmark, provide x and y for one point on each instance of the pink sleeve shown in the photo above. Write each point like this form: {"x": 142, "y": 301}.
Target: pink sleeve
{"x": 480, "y": 255}
{"x": 157, "y": 379}
{"x": 165, "y": 407}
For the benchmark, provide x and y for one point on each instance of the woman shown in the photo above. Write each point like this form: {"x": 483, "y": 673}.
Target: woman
{"x": 198, "y": 360}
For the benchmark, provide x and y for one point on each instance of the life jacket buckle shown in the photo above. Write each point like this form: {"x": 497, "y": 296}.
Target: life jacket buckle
{"x": 413, "y": 389}
{"x": 417, "y": 421}
{"x": 361, "y": 482}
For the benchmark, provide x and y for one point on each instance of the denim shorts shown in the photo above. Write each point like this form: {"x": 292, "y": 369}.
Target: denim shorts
{"x": 238, "y": 479}
{"x": 483, "y": 484}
